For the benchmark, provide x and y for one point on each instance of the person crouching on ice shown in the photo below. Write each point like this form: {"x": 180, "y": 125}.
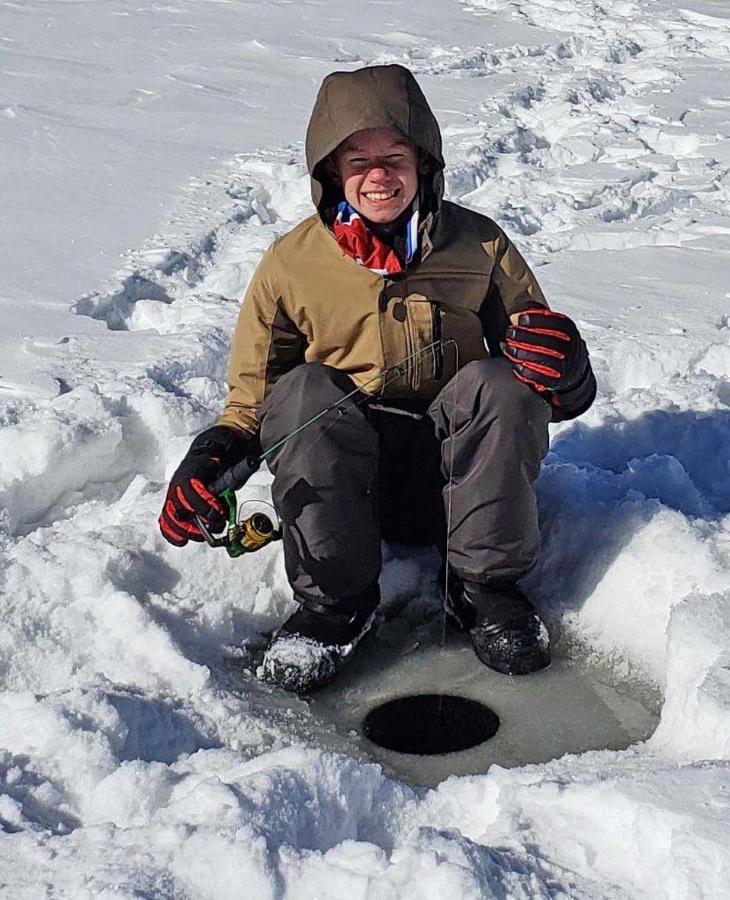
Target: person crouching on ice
{"x": 390, "y": 288}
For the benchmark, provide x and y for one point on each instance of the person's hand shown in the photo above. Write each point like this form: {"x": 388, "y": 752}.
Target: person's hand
{"x": 211, "y": 453}
{"x": 546, "y": 350}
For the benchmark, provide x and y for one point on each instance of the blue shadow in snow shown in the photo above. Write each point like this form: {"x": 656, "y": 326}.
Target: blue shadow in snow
{"x": 600, "y": 486}
{"x": 157, "y": 732}
{"x": 680, "y": 458}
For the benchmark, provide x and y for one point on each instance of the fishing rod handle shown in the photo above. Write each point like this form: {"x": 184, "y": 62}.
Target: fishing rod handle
{"x": 234, "y": 478}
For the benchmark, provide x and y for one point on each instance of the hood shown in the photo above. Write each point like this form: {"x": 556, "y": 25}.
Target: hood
{"x": 373, "y": 97}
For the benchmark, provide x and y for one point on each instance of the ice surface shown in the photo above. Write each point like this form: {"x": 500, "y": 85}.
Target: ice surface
{"x": 567, "y": 708}
{"x": 139, "y": 756}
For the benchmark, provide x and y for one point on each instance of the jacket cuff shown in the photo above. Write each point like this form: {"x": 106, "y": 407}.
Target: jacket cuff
{"x": 574, "y": 402}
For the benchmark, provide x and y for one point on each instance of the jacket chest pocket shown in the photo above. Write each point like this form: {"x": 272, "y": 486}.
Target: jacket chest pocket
{"x": 438, "y": 338}
{"x": 464, "y": 290}
{"x": 421, "y": 322}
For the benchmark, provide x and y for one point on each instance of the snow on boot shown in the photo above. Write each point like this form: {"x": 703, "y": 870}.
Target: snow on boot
{"x": 312, "y": 646}
{"x": 506, "y": 632}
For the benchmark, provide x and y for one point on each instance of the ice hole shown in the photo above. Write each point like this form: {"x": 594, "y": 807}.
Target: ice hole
{"x": 429, "y": 724}
{"x": 573, "y": 706}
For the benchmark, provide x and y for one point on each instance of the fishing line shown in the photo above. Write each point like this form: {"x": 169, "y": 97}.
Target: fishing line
{"x": 449, "y": 503}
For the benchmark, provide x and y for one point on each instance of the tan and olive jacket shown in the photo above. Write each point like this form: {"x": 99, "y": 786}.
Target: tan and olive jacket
{"x": 308, "y": 301}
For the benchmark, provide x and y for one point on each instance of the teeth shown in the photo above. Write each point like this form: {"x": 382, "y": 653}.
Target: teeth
{"x": 373, "y": 195}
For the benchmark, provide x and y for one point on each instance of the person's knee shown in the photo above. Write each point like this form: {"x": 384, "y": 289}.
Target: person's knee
{"x": 308, "y": 388}
{"x": 300, "y": 395}
{"x": 493, "y": 382}
{"x": 493, "y": 374}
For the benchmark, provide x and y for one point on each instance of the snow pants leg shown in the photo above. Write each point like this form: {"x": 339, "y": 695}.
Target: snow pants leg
{"x": 493, "y": 433}
{"x": 325, "y": 487}
{"x": 358, "y": 474}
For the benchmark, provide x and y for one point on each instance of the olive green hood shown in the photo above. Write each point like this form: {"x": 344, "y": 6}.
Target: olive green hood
{"x": 373, "y": 97}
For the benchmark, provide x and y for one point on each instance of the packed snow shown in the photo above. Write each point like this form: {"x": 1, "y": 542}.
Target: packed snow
{"x": 139, "y": 755}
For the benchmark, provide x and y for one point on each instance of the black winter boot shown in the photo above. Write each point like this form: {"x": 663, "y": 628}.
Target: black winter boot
{"x": 506, "y": 632}
{"x": 313, "y": 645}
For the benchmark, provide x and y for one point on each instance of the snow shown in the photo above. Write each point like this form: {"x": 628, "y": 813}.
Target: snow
{"x": 139, "y": 755}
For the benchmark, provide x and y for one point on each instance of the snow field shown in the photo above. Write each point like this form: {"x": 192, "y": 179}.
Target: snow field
{"x": 139, "y": 755}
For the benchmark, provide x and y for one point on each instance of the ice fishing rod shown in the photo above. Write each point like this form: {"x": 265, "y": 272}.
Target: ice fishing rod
{"x": 258, "y": 530}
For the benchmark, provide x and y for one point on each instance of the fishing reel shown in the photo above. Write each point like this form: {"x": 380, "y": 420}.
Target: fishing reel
{"x": 243, "y": 534}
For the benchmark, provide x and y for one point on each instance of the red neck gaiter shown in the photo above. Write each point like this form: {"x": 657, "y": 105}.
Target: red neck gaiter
{"x": 358, "y": 241}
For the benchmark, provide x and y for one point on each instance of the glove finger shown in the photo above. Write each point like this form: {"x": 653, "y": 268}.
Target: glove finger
{"x": 188, "y": 529}
{"x": 527, "y": 347}
{"x": 529, "y": 373}
{"x": 556, "y": 336}
{"x": 170, "y": 533}
{"x": 212, "y": 518}
{"x": 532, "y": 383}
{"x": 197, "y": 500}
{"x": 545, "y": 313}
{"x": 552, "y": 367}
{"x": 538, "y": 338}
{"x": 549, "y": 322}
{"x": 534, "y": 367}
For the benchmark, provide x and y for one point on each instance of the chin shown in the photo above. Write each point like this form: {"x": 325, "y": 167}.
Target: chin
{"x": 381, "y": 216}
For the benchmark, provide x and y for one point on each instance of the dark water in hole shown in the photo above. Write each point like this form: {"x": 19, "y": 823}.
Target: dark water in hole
{"x": 428, "y": 724}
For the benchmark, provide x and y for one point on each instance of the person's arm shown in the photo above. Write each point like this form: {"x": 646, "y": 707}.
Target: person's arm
{"x": 545, "y": 348}
{"x": 513, "y": 282}
{"x": 265, "y": 345}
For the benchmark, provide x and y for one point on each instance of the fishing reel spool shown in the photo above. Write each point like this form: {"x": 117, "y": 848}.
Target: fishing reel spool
{"x": 245, "y": 533}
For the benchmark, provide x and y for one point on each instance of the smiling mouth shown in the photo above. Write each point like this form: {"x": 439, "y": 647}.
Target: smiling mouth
{"x": 380, "y": 195}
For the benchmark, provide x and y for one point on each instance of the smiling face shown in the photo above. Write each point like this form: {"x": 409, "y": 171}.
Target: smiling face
{"x": 378, "y": 169}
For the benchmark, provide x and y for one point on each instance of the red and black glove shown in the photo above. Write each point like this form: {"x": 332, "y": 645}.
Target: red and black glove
{"x": 549, "y": 354}
{"x": 212, "y": 453}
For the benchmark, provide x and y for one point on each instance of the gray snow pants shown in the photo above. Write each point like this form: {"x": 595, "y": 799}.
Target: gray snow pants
{"x": 362, "y": 473}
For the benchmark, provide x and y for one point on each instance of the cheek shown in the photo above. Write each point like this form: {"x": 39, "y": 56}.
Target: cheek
{"x": 410, "y": 185}
{"x": 351, "y": 185}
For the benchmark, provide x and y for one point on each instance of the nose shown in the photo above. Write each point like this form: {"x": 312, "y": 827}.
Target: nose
{"x": 380, "y": 170}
